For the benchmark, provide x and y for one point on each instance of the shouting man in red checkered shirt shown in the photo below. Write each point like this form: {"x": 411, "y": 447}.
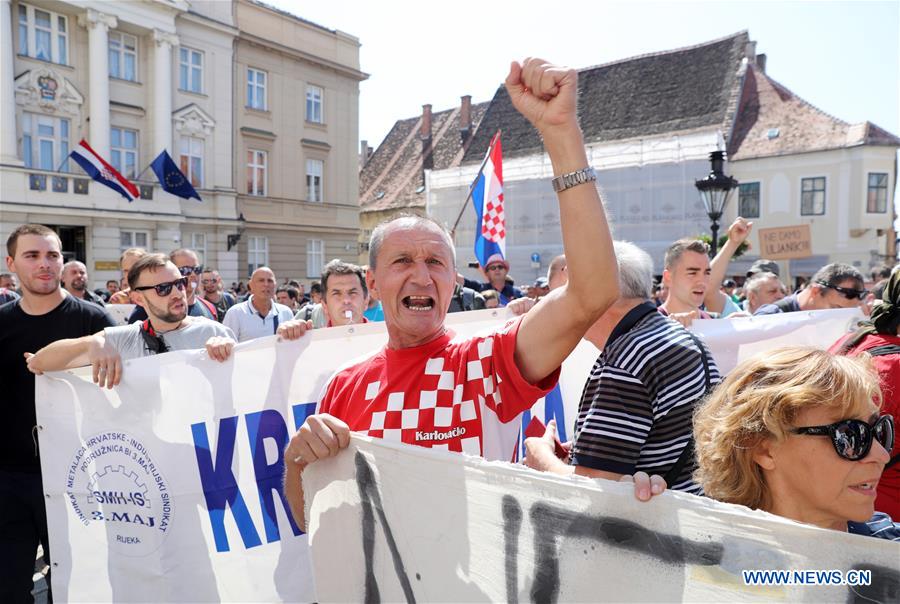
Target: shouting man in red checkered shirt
{"x": 427, "y": 388}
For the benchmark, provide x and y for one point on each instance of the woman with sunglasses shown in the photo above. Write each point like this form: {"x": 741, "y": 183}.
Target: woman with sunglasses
{"x": 879, "y": 338}
{"x": 797, "y": 432}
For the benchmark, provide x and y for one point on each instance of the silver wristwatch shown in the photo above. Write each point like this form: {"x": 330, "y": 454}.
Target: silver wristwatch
{"x": 578, "y": 177}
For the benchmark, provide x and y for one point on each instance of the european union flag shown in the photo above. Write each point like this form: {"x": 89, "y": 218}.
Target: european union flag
{"x": 171, "y": 179}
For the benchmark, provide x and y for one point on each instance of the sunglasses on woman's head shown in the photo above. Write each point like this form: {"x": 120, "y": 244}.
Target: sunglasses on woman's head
{"x": 164, "y": 289}
{"x": 852, "y": 438}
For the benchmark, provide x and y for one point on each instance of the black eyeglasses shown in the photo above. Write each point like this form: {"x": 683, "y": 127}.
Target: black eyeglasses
{"x": 164, "y": 289}
{"x": 852, "y": 438}
{"x": 187, "y": 270}
{"x": 850, "y": 294}
{"x": 495, "y": 267}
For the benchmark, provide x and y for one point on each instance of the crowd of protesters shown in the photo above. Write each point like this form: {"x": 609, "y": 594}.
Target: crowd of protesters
{"x": 804, "y": 433}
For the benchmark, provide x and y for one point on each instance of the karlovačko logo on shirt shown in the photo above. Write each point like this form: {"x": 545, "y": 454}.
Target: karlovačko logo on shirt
{"x": 112, "y": 480}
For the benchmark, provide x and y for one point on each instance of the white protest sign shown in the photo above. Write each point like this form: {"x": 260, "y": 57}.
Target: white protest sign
{"x": 734, "y": 340}
{"x": 391, "y": 522}
{"x": 168, "y": 488}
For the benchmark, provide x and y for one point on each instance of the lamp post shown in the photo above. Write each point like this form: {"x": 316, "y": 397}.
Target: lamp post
{"x": 715, "y": 188}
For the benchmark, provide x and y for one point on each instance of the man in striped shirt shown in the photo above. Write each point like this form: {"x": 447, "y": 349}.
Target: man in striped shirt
{"x": 637, "y": 405}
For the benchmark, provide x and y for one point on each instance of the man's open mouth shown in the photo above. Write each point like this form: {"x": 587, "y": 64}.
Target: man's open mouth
{"x": 419, "y": 303}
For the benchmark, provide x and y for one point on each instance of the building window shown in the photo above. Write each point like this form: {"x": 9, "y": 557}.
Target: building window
{"x": 45, "y": 142}
{"x": 190, "y": 74}
{"x": 315, "y": 257}
{"x": 122, "y": 56}
{"x": 256, "y": 89}
{"x": 43, "y": 34}
{"x": 314, "y": 169}
{"x": 192, "y": 159}
{"x": 123, "y": 149}
{"x": 256, "y": 172}
{"x": 198, "y": 244}
{"x": 129, "y": 239}
{"x": 257, "y": 253}
{"x": 314, "y": 105}
{"x": 876, "y": 198}
{"x": 748, "y": 200}
{"x": 812, "y": 196}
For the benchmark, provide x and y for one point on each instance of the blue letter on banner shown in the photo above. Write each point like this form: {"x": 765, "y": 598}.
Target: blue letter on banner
{"x": 260, "y": 426}
{"x": 220, "y": 486}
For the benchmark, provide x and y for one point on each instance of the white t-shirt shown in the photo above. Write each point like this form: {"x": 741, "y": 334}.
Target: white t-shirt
{"x": 192, "y": 334}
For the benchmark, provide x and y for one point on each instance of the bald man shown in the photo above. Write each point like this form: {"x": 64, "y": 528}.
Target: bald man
{"x": 75, "y": 281}
{"x": 557, "y": 276}
{"x": 259, "y": 315}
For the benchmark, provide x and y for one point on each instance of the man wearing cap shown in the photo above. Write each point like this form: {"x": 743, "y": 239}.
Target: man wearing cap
{"x": 541, "y": 287}
{"x": 835, "y": 285}
{"x": 764, "y": 266}
{"x": 496, "y": 270}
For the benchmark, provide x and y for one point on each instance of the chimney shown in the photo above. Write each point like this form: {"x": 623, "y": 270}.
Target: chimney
{"x": 365, "y": 152}
{"x": 750, "y": 51}
{"x": 425, "y": 135}
{"x": 761, "y": 62}
{"x": 465, "y": 118}
{"x": 426, "y": 122}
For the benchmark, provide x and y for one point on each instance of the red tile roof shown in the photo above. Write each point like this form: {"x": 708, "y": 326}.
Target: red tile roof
{"x": 774, "y": 121}
{"x": 392, "y": 177}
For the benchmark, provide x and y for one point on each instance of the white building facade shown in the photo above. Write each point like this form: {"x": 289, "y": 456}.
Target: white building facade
{"x": 132, "y": 79}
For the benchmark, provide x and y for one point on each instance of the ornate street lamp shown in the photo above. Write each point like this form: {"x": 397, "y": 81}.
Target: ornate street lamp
{"x": 715, "y": 188}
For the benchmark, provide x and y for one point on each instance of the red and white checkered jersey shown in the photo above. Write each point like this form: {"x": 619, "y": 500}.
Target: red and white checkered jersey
{"x": 454, "y": 395}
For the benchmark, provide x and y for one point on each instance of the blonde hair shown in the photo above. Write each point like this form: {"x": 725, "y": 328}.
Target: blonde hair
{"x": 760, "y": 400}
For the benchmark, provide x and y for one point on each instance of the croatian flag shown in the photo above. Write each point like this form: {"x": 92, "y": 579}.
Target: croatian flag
{"x": 487, "y": 195}
{"x": 98, "y": 169}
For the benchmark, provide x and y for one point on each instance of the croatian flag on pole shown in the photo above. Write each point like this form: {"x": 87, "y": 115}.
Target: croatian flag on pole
{"x": 487, "y": 195}
{"x": 98, "y": 169}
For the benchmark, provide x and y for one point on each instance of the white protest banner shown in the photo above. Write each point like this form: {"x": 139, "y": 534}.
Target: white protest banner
{"x": 120, "y": 312}
{"x": 392, "y": 523}
{"x": 168, "y": 488}
{"x": 734, "y": 340}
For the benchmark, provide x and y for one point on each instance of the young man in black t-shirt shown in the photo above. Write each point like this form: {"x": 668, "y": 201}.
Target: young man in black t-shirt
{"x": 43, "y": 315}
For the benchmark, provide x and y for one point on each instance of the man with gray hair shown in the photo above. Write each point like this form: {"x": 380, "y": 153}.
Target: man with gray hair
{"x": 428, "y": 388}
{"x": 835, "y": 285}
{"x": 637, "y": 405}
{"x": 761, "y": 289}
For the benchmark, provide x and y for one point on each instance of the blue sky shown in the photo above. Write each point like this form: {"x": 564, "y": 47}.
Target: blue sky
{"x": 843, "y": 57}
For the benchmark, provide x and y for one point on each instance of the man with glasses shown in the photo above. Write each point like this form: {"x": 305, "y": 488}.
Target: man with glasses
{"x": 189, "y": 266}
{"x": 835, "y": 285}
{"x": 160, "y": 289}
{"x": 496, "y": 270}
{"x": 213, "y": 292}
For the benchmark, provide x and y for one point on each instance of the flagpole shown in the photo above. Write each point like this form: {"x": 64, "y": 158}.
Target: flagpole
{"x": 144, "y": 171}
{"x": 62, "y": 163}
{"x": 472, "y": 186}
